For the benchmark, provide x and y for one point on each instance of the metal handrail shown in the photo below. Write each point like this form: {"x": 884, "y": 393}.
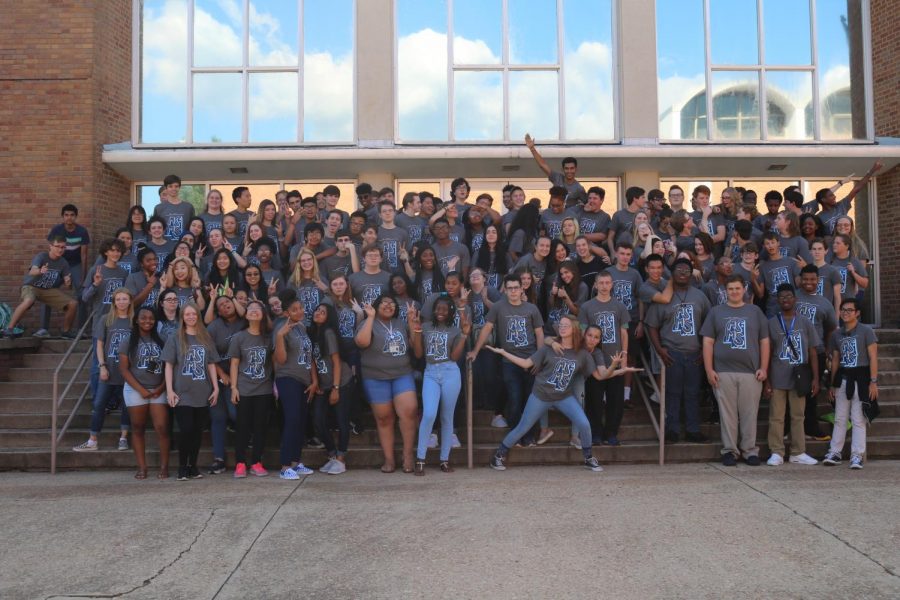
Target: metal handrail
{"x": 658, "y": 425}
{"x": 58, "y": 398}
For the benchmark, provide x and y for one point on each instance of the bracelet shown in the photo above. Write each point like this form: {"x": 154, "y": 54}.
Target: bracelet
{"x": 873, "y": 380}
{"x": 103, "y": 366}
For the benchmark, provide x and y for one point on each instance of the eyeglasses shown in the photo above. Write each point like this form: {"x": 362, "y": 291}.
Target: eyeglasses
{"x": 173, "y": 299}
{"x": 848, "y": 310}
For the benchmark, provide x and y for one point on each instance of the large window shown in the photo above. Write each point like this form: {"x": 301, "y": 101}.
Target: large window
{"x": 766, "y": 70}
{"x": 494, "y": 70}
{"x": 246, "y": 71}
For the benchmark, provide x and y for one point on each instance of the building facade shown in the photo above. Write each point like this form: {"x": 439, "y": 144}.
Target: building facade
{"x": 103, "y": 100}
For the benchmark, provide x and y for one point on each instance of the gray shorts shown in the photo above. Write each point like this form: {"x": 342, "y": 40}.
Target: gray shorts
{"x": 133, "y": 398}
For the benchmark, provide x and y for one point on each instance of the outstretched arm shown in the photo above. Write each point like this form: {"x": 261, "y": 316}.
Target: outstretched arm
{"x": 537, "y": 155}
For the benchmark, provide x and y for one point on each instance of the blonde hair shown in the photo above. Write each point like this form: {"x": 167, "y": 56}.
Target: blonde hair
{"x": 202, "y": 334}
{"x": 111, "y": 315}
{"x": 191, "y": 271}
{"x": 562, "y": 236}
{"x": 297, "y": 276}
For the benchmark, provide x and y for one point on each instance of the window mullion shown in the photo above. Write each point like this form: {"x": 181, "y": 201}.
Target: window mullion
{"x": 245, "y": 77}
{"x": 451, "y": 75}
{"x": 189, "y": 134}
{"x": 505, "y": 57}
{"x": 301, "y": 72}
{"x": 708, "y": 51}
{"x": 560, "y": 77}
{"x": 761, "y": 77}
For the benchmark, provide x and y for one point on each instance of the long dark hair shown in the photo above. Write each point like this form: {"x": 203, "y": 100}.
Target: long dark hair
{"x": 145, "y": 227}
{"x": 136, "y": 332}
{"x": 451, "y": 307}
{"x": 527, "y": 219}
{"x": 215, "y": 278}
{"x": 411, "y": 290}
{"x": 483, "y": 259}
{"x": 437, "y": 275}
{"x": 160, "y": 313}
{"x": 317, "y": 332}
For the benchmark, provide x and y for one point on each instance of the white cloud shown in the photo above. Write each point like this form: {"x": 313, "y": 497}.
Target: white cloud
{"x": 590, "y": 106}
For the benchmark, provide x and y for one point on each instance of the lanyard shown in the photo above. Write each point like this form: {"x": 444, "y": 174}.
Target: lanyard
{"x": 388, "y": 329}
{"x": 787, "y": 334}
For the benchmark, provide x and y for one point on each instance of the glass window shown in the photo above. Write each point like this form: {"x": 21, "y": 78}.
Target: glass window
{"x": 247, "y": 49}
{"x": 517, "y": 65}
{"x": 781, "y": 55}
{"x": 192, "y": 193}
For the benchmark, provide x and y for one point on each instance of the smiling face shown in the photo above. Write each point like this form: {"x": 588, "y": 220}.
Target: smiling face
{"x": 181, "y": 272}
{"x": 386, "y": 309}
{"x": 562, "y": 253}
{"x": 157, "y": 230}
{"x": 189, "y": 316}
{"x": 398, "y": 286}
{"x": 542, "y": 248}
{"x": 491, "y": 234}
{"x": 252, "y": 275}
{"x": 427, "y": 259}
{"x": 441, "y": 311}
{"x": 121, "y": 301}
{"x": 255, "y": 312}
{"x": 146, "y": 321}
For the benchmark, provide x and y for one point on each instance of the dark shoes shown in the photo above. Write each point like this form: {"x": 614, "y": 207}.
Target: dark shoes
{"x": 730, "y": 460}
{"x": 696, "y": 438}
{"x": 752, "y": 461}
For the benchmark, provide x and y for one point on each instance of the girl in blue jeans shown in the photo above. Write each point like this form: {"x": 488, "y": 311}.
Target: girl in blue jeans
{"x": 554, "y": 387}
{"x": 442, "y": 344}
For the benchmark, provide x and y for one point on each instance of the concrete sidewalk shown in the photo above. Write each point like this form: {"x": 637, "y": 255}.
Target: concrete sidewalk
{"x": 683, "y": 531}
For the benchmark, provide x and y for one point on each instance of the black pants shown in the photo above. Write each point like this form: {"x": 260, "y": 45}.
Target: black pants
{"x": 252, "y": 416}
{"x": 191, "y": 420}
{"x": 342, "y": 414}
{"x": 605, "y": 417}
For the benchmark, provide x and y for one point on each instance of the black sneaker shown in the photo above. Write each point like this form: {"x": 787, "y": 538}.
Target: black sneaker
{"x": 194, "y": 473}
{"x": 696, "y": 438}
{"x": 729, "y": 460}
{"x": 671, "y": 437}
{"x": 497, "y": 462}
{"x": 182, "y": 474}
{"x": 316, "y": 443}
{"x": 356, "y": 429}
{"x": 217, "y": 468}
{"x": 68, "y": 335}
{"x": 752, "y": 461}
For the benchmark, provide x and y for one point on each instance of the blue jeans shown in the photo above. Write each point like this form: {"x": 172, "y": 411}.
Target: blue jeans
{"x": 518, "y": 382}
{"x": 219, "y": 415}
{"x": 105, "y": 391}
{"x": 683, "y": 381}
{"x": 536, "y": 407}
{"x": 440, "y": 386}
{"x": 292, "y": 395}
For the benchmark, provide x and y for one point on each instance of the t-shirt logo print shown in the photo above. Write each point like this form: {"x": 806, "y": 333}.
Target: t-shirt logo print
{"x": 436, "y": 347}
{"x": 115, "y": 340}
{"x": 516, "y": 332}
{"x": 304, "y": 357}
{"x": 606, "y": 321}
{"x": 194, "y": 365}
{"x": 394, "y": 344}
{"x": 735, "y": 333}
{"x": 321, "y": 365}
{"x": 309, "y": 297}
{"x": 562, "y": 374}
{"x": 256, "y": 363}
{"x": 820, "y": 287}
{"x": 849, "y": 352}
{"x": 683, "y": 323}
{"x": 807, "y": 311}
{"x": 843, "y": 273}
{"x": 622, "y": 293}
{"x": 48, "y": 279}
{"x": 779, "y": 276}
{"x": 787, "y": 354}
{"x": 111, "y": 286}
{"x": 346, "y": 320}
{"x": 148, "y": 358}
{"x": 370, "y": 293}
{"x": 389, "y": 247}
{"x": 586, "y": 225}
{"x": 175, "y": 226}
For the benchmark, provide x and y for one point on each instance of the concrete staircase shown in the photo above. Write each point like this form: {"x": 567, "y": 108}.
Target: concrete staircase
{"x": 25, "y": 418}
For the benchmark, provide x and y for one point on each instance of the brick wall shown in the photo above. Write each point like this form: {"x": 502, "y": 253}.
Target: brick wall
{"x": 886, "y": 70}
{"x": 57, "y": 109}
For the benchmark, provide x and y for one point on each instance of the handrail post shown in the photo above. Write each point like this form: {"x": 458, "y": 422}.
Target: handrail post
{"x": 53, "y": 417}
{"x": 662, "y": 413}
{"x": 470, "y": 442}
{"x": 57, "y": 400}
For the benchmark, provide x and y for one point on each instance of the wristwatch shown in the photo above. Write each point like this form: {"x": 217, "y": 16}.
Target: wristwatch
{"x": 874, "y": 380}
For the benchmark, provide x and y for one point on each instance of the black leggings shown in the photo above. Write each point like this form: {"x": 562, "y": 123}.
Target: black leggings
{"x": 605, "y": 418}
{"x": 252, "y": 416}
{"x": 191, "y": 420}
{"x": 342, "y": 412}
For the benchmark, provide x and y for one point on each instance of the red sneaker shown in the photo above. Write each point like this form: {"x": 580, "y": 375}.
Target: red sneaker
{"x": 259, "y": 470}
{"x": 240, "y": 470}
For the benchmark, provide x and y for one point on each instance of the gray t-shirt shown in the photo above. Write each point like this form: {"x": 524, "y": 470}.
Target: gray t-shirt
{"x": 786, "y": 355}
{"x": 713, "y": 222}
{"x": 438, "y": 342}
{"x": 391, "y": 241}
{"x": 519, "y": 244}
{"x": 255, "y": 368}
{"x": 575, "y": 191}
{"x": 176, "y": 216}
{"x": 146, "y": 364}
{"x": 346, "y": 322}
{"x": 792, "y": 247}
{"x": 853, "y": 345}
{"x": 479, "y": 309}
{"x": 737, "y": 332}
{"x": 538, "y": 268}
{"x": 818, "y": 311}
{"x": 626, "y": 285}
{"x": 414, "y": 226}
{"x": 552, "y": 222}
{"x": 191, "y": 373}
{"x": 136, "y": 282}
{"x": 243, "y": 220}
{"x": 387, "y": 356}
{"x": 299, "y": 350}
{"x": 611, "y": 317}
{"x": 715, "y": 292}
{"x": 310, "y": 296}
{"x": 366, "y": 287}
{"x": 515, "y": 326}
{"x": 557, "y": 307}
{"x": 325, "y": 364}
{"x": 212, "y": 221}
{"x": 556, "y": 373}
{"x": 849, "y": 288}
{"x": 828, "y": 277}
{"x": 622, "y": 221}
{"x": 115, "y": 339}
{"x": 101, "y": 296}
{"x": 221, "y": 332}
{"x": 679, "y": 321}
{"x": 162, "y": 252}
{"x": 775, "y": 273}
{"x": 649, "y": 289}
{"x": 590, "y": 222}
{"x": 444, "y": 254}
{"x": 335, "y": 266}
{"x": 53, "y": 278}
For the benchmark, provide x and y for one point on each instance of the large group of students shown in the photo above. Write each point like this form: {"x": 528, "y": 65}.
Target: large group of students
{"x": 221, "y": 319}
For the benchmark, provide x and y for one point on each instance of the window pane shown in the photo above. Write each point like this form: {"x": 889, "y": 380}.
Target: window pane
{"x": 273, "y": 32}
{"x": 786, "y": 31}
{"x": 532, "y": 32}
{"x": 478, "y": 105}
{"x": 732, "y": 36}
{"x": 328, "y": 70}
{"x": 164, "y": 68}
{"x": 477, "y": 32}
{"x": 217, "y": 107}
{"x": 195, "y": 194}
{"x": 218, "y": 34}
{"x": 788, "y": 93}
{"x": 533, "y": 105}
{"x": 681, "y": 70}
{"x": 273, "y": 107}
{"x": 842, "y": 99}
{"x": 735, "y": 105}
{"x": 422, "y": 103}
{"x": 588, "y": 75}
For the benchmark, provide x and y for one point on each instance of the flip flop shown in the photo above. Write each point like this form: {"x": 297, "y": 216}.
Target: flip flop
{"x": 388, "y": 468}
{"x": 141, "y": 474}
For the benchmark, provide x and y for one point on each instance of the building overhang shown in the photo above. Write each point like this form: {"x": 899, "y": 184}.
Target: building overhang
{"x": 501, "y": 162}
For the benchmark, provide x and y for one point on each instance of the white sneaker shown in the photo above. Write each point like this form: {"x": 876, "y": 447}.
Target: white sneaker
{"x": 302, "y": 469}
{"x": 776, "y": 460}
{"x": 337, "y": 467}
{"x": 454, "y": 442}
{"x": 41, "y": 333}
{"x": 327, "y": 466}
{"x": 803, "y": 459}
{"x": 433, "y": 440}
{"x": 123, "y": 444}
{"x": 499, "y": 422}
{"x": 575, "y": 442}
{"x": 289, "y": 474}
{"x": 654, "y": 398}
{"x": 88, "y": 446}
{"x": 545, "y": 437}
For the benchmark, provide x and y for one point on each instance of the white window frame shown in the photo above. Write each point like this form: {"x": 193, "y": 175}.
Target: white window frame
{"x": 245, "y": 70}
{"x": 761, "y": 68}
{"x": 505, "y": 68}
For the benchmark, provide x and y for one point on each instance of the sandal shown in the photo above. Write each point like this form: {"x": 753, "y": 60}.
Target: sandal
{"x": 141, "y": 474}
{"x": 163, "y": 473}
{"x": 445, "y": 466}
{"x": 420, "y": 468}
{"x": 407, "y": 469}
{"x": 388, "y": 468}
